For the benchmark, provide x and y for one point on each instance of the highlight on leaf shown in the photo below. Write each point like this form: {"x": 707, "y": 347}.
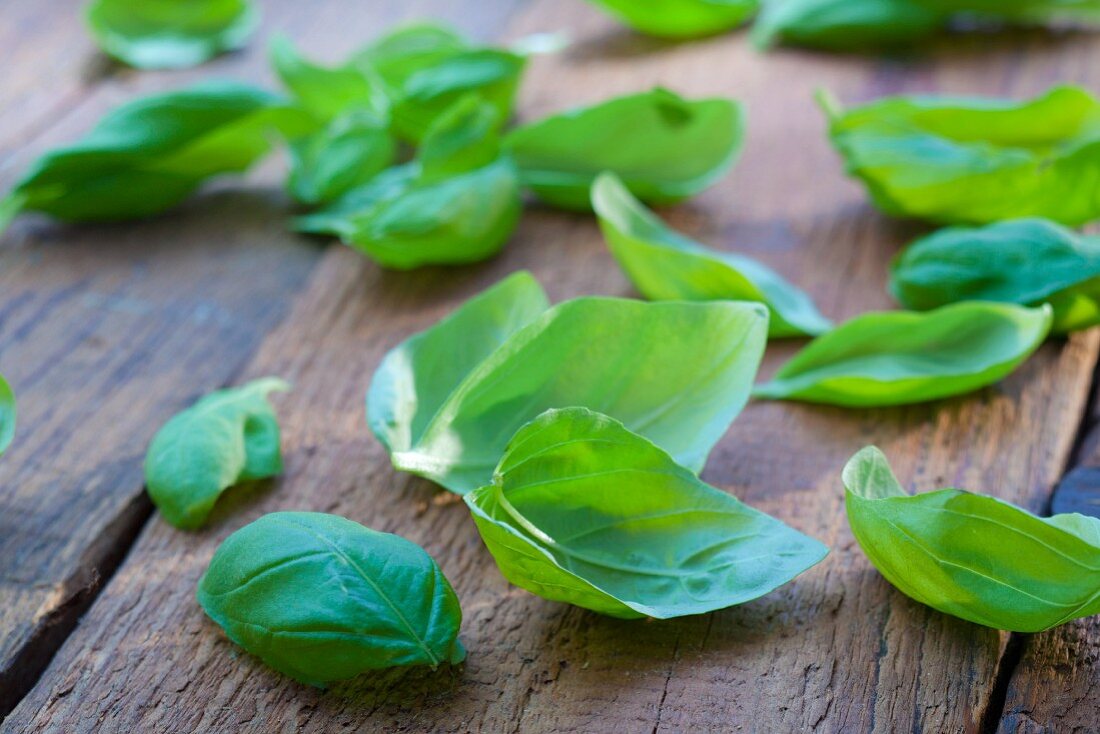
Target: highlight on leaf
{"x": 898, "y": 357}
{"x": 321, "y": 598}
{"x": 446, "y": 402}
{"x": 665, "y": 265}
{"x": 584, "y": 511}
{"x": 971, "y": 555}
{"x": 680, "y": 18}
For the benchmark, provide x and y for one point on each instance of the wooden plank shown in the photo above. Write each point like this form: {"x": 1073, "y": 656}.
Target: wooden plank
{"x": 836, "y": 650}
{"x": 106, "y": 331}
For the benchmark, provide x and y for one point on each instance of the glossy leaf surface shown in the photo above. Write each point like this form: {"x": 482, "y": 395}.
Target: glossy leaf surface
{"x": 971, "y": 555}
{"x": 898, "y": 357}
{"x": 680, "y": 18}
{"x": 321, "y": 598}
{"x": 665, "y": 265}
{"x": 584, "y": 511}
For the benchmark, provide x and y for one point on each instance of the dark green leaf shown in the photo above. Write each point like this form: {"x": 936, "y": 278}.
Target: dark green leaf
{"x": 321, "y": 598}
{"x": 971, "y": 555}
{"x": 844, "y": 25}
{"x": 665, "y": 265}
{"x": 680, "y": 18}
{"x": 584, "y": 511}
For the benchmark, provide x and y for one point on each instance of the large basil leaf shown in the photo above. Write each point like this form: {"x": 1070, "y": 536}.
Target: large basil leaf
{"x": 680, "y": 18}
{"x": 675, "y": 372}
{"x": 974, "y": 556}
{"x": 1025, "y": 261}
{"x": 7, "y": 414}
{"x": 349, "y": 152}
{"x": 227, "y": 437}
{"x": 170, "y": 34}
{"x": 663, "y": 147}
{"x": 897, "y": 357}
{"x": 976, "y": 160}
{"x": 664, "y": 265}
{"x": 150, "y": 154}
{"x": 447, "y": 207}
{"x": 321, "y": 598}
{"x": 584, "y": 511}
{"x": 844, "y": 25}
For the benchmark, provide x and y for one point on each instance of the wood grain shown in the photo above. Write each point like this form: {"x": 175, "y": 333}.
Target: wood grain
{"x": 836, "y": 650}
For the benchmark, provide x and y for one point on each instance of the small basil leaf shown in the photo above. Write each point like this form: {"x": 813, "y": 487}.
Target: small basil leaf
{"x": 975, "y": 160}
{"x": 664, "y": 265}
{"x": 227, "y": 437}
{"x": 463, "y": 139}
{"x": 321, "y": 598}
{"x": 581, "y": 510}
{"x": 843, "y": 25}
{"x": 654, "y": 366}
{"x": 974, "y": 556}
{"x": 150, "y": 154}
{"x": 680, "y": 18}
{"x": 325, "y": 92}
{"x": 663, "y": 147}
{"x": 898, "y": 357}
{"x": 348, "y": 153}
{"x": 170, "y": 34}
{"x": 7, "y": 414}
{"x": 1025, "y": 261}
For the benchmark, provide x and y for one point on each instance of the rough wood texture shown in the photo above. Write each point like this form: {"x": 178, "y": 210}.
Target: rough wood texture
{"x": 836, "y": 650}
{"x": 106, "y": 331}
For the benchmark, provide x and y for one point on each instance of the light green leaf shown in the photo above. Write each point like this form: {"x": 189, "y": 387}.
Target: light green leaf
{"x": 326, "y": 92}
{"x": 971, "y": 555}
{"x": 976, "y": 160}
{"x": 7, "y": 414}
{"x": 663, "y": 147}
{"x": 227, "y": 437}
{"x": 680, "y": 18}
{"x": 170, "y": 34}
{"x": 348, "y": 153}
{"x": 675, "y": 372}
{"x": 1025, "y": 261}
{"x": 321, "y": 598}
{"x": 898, "y": 357}
{"x": 844, "y": 25}
{"x": 582, "y": 510}
{"x": 664, "y": 265}
{"x": 150, "y": 154}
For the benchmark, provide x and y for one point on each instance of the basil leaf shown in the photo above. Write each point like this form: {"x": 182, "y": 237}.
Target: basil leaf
{"x": 150, "y": 154}
{"x": 435, "y": 210}
{"x": 227, "y": 437}
{"x": 898, "y": 357}
{"x": 327, "y": 93}
{"x": 1021, "y": 11}
{"x": 170, "y": 34}
{"x": 663, "y": 147}
{"x": 974, "y": 556}
{"x": 664, "y": 265}
{"x": 1025, "y": 261}
{"x": 7, "y": 414}
{"x": 843, "y": 25}
{"x": 349, "y": 152}
{"x": 975, "y": 160}
{"x": 321, "y": 598}
{"x": 654, "y": 366}
{"x": 680, "y": 18}
{"x": 584, "y": 511}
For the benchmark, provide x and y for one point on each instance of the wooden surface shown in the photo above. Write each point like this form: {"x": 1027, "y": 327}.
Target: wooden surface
{"x": 836, "y": 650}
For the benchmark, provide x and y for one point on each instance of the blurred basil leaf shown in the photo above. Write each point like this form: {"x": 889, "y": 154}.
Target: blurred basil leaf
{"x": 844, "y": 25}
{"x": 350, "y": 151}
{"x": 7, "y": 414}
{"x": 326, "y": 92}
{"x": 680, "y": 18}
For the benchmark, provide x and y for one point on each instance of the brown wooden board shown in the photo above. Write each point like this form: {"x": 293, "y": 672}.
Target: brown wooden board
{"x": 836, "y": 650}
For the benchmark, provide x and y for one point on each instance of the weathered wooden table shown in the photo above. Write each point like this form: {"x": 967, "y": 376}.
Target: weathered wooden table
{"x": 106, "y": 331}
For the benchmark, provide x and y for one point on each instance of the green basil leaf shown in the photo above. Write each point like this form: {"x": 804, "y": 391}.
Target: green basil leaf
{"x": 170, "y": 34}
{"x": 321, "y": 598}
{"x": 663, "y": 147}
{"x": 348, "y": 153}
{"x": 843, "y": 25}
{"x": 665, "y": 265}
{"x": 582, "y": 510}
{"x": 7, "y": 414}
{"x": 462, "y": 139}
{"x": 680, "y": 18}
{"x": 975, "y": 160}
{"x": 1020, "y": 11}
{"x": 1025, "y": 261}
{"x": 898, "y": 357}
{"x": 150, "y": 154}
{"x": 326, "y": 92}
{"x": 227, "y": 437}
{"x": 974, "y": 556}
{"x": 654, "y": 366}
